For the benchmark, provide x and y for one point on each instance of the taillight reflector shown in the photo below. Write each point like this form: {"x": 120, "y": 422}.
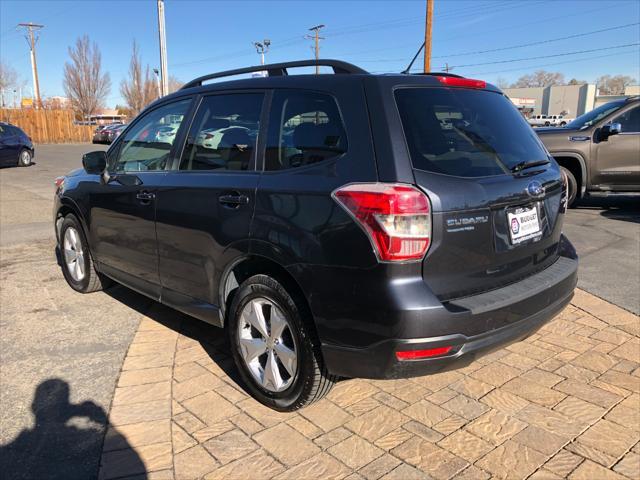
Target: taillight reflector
{"x": 396, "y": 217}
{"x": 428, "y": 353}
{"x": 462, "y": 82}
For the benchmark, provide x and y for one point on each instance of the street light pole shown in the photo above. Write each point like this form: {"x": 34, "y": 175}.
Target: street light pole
{"x": 262, "y": 48}
{"x": 157, "y": 74}
{"x": 164, "y": 75}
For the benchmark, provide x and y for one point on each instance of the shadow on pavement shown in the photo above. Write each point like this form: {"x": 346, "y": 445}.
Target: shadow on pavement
{"x": 212, "y": 339}
{"x": 64, "y": 442}
{"x": 624, "y": 208}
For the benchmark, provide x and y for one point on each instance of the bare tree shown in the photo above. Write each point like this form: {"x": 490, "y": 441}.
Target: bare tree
{"x": 138, "y": 89}
{"x": 85, "y": 84}
{"x": 8, "y": 76}
{"x": 174, "y": 84}
{"x": 575, "y": 81}
{"x": 502, "y": 82}
{"x": 616, "y": 85}
{"x": 541, "y": 78}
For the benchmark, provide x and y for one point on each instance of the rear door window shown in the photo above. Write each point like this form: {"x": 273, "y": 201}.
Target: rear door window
{"x": 304, "y": 128}
{"x": 224, "y": 133}
{"x": 464, "y": 132}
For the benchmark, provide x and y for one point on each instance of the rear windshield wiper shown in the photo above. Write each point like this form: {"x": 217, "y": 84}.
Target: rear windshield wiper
{"x": 518, "y": 167}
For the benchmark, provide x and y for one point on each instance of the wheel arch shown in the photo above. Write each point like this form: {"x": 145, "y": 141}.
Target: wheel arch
{"x": 253, "y": 264}
{"x": 68, "y": 206}
{"x": 575, "y": 163}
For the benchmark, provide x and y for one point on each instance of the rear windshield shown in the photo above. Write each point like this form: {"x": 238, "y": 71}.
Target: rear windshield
{"x": 466, "y": 133}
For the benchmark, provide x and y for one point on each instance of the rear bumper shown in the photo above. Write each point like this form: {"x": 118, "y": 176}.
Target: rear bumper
{"x": 477, "y": 325}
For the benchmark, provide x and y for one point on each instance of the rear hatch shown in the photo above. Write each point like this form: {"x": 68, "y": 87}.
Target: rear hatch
{"x": 495, "y": 192}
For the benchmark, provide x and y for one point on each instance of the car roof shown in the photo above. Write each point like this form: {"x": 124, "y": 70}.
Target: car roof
{"x": 279, "y": 77}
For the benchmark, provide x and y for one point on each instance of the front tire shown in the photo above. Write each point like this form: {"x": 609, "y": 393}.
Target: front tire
{"x": 274, "y": 347}
{"x": 75, "y": 258}
{"x": 572, "y": 185}
{"x": 24, "y": 158}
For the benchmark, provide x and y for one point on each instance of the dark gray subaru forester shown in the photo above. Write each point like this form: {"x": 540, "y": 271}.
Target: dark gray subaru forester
{"x": 336, "y": 225}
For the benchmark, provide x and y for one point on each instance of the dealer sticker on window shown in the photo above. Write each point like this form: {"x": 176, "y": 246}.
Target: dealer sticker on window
{"x": 523, "y": 224}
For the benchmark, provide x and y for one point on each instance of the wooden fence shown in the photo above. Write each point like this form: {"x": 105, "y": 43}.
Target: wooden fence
{"x": 48, "y": 126}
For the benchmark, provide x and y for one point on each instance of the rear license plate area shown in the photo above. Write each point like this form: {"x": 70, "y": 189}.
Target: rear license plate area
{"x": 524, "y": 224}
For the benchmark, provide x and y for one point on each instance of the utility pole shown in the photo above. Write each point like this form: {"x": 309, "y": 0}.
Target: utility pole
{"x": 427, "y": 36}
{"x": 316, "y": 36}
{"x": 164, "y": 75}
{"x": 447, "y": 68}
{"x": 32, "y": 39}
{"x": 262, "y": 48}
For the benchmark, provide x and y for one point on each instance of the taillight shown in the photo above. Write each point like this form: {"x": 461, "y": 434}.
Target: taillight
{"x": 397, "y": 218}
{"x": 564, "y": 197}
{"x": 58, "y": 182}
{"x": 418, "y": 354}
{"x": 208, "y": 136}
{"x": 462, "y": 82}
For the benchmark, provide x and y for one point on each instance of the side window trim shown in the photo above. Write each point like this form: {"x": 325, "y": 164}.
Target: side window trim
{"x": 118, "y": 148}
{"x": 258, "y": 154}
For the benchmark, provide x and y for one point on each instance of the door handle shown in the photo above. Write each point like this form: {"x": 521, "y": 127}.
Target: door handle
{"x": 145, "y": 197}
{"x": 233, "y": 201}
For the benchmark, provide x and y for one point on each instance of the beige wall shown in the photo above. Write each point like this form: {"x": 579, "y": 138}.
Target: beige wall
{"x": 572, "y": 99}
{"x": 536, "y": 93}
{"x": 632, "y": 90}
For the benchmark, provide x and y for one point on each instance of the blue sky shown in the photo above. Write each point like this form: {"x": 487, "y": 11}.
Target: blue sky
{"x": 205, "y": 36}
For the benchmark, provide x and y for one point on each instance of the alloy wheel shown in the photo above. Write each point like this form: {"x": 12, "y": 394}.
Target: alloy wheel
{"x": 25, "y": 158}
{"x": 267, "y": 344}
{"x": 73, "y": 254}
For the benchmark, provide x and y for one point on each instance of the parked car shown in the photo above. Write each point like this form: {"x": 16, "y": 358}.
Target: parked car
{"x": 549, "y": 120}
{"x": 348, "y": 233}
{"x": 560, "y": 120}
{"x": 101, "y": 133}
{"x": 16, "y": 148}
{"x": 539, "y": 121}
{"x": 599, "y": 151}
{"x": 113, "y": 132}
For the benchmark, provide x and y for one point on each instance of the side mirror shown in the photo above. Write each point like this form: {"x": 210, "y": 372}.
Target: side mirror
{"x": 95, "y": 162}
{"x": 615, "y": 128}
{"x": 608, "y": 130}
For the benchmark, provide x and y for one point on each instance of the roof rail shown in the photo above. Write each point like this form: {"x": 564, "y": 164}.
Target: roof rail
{"x": 279, "y": 69}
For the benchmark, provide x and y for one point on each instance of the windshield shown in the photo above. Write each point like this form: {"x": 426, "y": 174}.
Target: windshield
{"x": 465, "y": 133}
{"x": 587, "y": 119}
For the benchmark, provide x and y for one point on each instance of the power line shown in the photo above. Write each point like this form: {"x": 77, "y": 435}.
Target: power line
{"x": 475, "y": 34}
{"x": 546, "y": 56}
{"x": 540, "y": 42}
{"x": 564, "y": 62}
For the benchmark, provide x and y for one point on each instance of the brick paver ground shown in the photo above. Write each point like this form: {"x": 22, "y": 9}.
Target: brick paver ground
{"x": 565, "y": 403}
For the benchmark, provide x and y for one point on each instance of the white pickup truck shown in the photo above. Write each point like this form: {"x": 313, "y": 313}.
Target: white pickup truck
{"x": 549, "y": 120}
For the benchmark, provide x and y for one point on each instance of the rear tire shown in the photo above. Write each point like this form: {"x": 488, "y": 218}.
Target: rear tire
{"x": 24, "y": 158}
{"x": 75, "y": 259}
{"x": 298, "y": 369}
{"x": 572, "y": 188}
